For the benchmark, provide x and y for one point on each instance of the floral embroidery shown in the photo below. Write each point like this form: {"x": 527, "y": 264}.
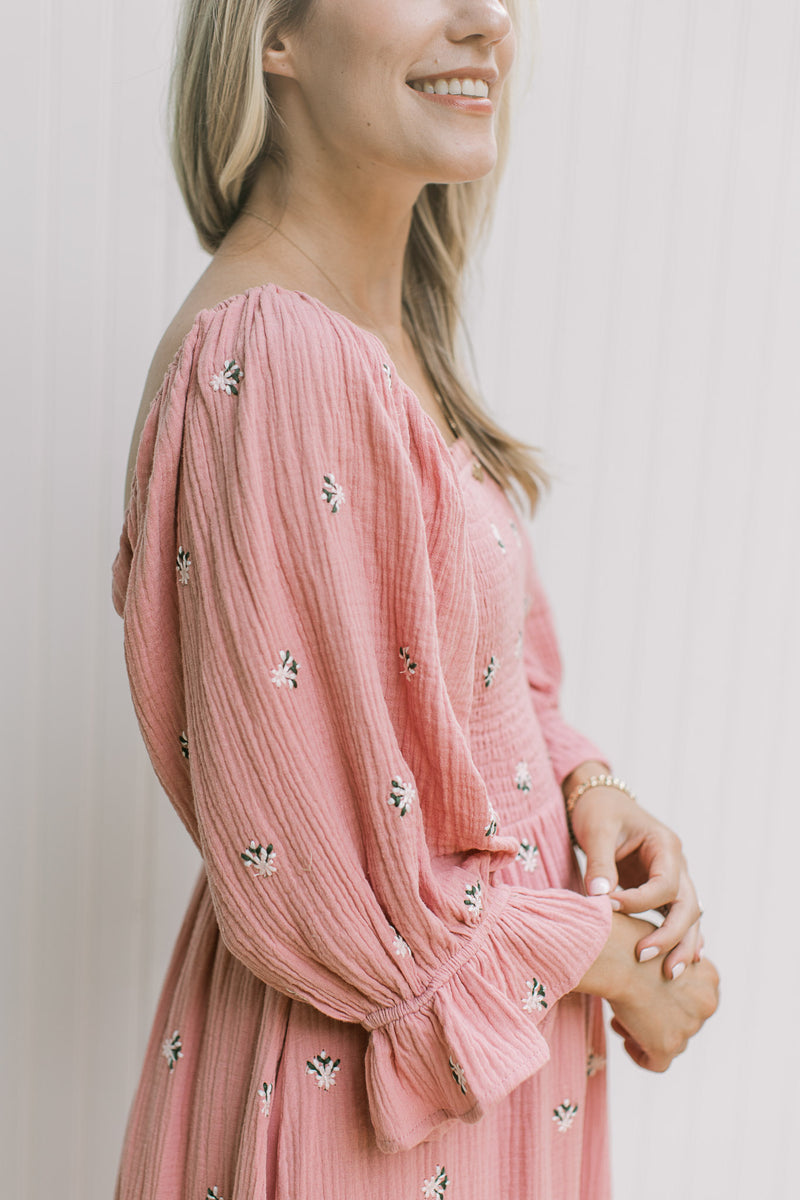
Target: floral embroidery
{"x": 435, "y": 1187}
{"x": 489, "y": 673}
{"x": 528, "y": 855}
{"x": 522, "y": 777}
{"x": 594, "y": 1063}
{"x": 172, "y": 1049}
{"x": 564, "y": 1115}
{"x": 387, "y": 370}
{"x": 333, "y": 492}
{"x": 474, "y": 898}
{"x": 401, "y": 947}
{"x": 534, "y": 999}
{"x": 402, "y": 796}
{"x": 457, "y": 1071}
{"x": 324, "y": 1069}
{"x": 491, "y": 828}
{"x": 408, "y": 668}
{"x": 182, "y": 564}
{"x": 184, "y": 743}
{"x": 213, "y": 1194}
{"x": 286, "y": 673}
{"x": 497, "y": 537}
{"x": 518, "y": 645}
{"x": 260, "y": 858}
{"x": 265, "y": 1092}
{"x": 515, "y": 532}
{"x": 228, "y": 378}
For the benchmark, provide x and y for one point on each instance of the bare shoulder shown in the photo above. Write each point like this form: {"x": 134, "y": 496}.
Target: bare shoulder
{"x": 216, "y": 284}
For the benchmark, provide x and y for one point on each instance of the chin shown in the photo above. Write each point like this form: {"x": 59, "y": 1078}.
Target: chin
{"x": 461, "y": 164}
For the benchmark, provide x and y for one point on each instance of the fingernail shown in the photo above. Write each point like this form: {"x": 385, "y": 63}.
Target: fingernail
{"x": 701, "y": 954}
{"x": 678, "y": 969}
{"x": 648, "y": 953}
{"x": 599, "y": 886}
{"x": 615, "y": 904}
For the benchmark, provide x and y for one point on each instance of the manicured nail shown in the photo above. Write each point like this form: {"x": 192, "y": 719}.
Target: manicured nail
{"x": 615, "y": 904}
{"x": 678, "y": 969}
{"x": 599, "y": 886}
{"x": 648, "y": 953}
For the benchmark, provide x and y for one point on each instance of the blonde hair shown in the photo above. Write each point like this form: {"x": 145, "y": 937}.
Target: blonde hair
{"x": 223, "y": 124}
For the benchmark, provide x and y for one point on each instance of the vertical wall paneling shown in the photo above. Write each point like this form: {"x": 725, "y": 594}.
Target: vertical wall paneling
{"x": 635, "y": 313}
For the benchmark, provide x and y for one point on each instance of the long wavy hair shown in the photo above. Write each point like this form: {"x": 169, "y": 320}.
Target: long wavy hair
{"x": 223, "y": 123}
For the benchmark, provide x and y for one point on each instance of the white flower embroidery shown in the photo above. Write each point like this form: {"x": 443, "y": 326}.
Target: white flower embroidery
{"x": 182, "y": 564}
{"x": 387, "y": 370}
{"x": 594, "y": 1063}
{"x": 474, "y": 898}
{"x": 184, "y": 743}
{"x": 564, "y": 1115}
{"x": 265, "y": 1093}
{"x": 522, "y": 777}
{"x": 490, "y": 671}
{"x": 172, "y": 1050}
{"x": 260, "y": 858}
{"x": 286, "y": 673}
{"x": 333, "y": 493}
{"x": 491, "y": 828}
{"x": 534, "y": 998}
{"x": 324, "y": 1069}
{"x": 213, "y": 1194}
{"x": 408, "y": 668}
{"x": 228, "y": 378}
{"x": 435, "y": 1187}
{"x": 497, "y": 537}
{"x": 402, "y": 796}
{"x": 518, "y": 645}
{"x": 457, "y": 1071}
{"x": 528, "y": 855}
{"x": 515, "y": 532}
{"x": 401, "y": 946}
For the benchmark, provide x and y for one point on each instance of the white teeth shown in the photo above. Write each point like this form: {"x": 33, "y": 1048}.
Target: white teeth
{"x": 453, "y": 87}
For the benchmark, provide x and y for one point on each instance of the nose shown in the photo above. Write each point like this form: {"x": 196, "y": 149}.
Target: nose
{"x": 487, "y": 20}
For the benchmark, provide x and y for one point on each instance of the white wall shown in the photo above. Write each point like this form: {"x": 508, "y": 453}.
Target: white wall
{"x": 637, "y": 316}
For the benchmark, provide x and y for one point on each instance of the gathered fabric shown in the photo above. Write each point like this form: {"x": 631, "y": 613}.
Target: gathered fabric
{"x": 345, "y": 671}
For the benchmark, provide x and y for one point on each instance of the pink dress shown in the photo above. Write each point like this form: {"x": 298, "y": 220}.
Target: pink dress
{"x": 346, "y": 675}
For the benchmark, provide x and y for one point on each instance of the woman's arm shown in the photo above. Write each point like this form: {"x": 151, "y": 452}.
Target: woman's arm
{"x": 655, "y": 1017}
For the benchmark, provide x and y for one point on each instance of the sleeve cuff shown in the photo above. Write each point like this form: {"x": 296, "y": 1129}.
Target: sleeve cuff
{"x": 473, "y": 1036}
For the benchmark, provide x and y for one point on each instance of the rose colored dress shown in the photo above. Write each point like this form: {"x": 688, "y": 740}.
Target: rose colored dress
{"x": 346, "y": 676}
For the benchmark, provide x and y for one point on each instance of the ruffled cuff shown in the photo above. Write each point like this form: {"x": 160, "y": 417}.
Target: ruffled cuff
{"x": 473, "y": 1036}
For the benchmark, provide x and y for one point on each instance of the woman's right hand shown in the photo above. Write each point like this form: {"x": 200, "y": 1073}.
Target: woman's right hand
{"x": 655, "y": 1016}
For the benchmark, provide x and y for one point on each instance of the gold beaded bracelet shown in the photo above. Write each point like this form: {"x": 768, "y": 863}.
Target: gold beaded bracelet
{"x": 572, "y": 799}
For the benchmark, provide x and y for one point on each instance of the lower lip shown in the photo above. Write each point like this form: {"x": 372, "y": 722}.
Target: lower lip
{"x": 475, "y": 104}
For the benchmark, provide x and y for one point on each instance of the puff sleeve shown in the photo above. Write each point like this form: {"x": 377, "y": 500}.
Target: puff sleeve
{"x": 300, "y": 638}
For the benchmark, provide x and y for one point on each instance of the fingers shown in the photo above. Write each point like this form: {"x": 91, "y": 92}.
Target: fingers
{"x": 601, "y": 868}
{"x": 682, "y": 915}
{"x": 661, "y": 856}
{"x": 683, "y": 954}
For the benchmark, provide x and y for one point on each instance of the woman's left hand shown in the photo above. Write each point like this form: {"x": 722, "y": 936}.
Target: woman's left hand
{"x": 626, "y": 846}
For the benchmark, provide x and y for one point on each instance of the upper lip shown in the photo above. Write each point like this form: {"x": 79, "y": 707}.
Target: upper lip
{"x": 488, "y": 74}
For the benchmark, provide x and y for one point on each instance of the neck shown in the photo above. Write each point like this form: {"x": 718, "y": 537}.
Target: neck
{"x": 354, "y": 235}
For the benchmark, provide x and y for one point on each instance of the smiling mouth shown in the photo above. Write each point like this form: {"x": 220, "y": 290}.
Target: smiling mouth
{"x": 477, "y": 89}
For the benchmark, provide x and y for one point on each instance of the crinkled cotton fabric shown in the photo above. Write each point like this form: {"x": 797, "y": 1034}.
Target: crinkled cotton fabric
{"x": 345, "y": 672}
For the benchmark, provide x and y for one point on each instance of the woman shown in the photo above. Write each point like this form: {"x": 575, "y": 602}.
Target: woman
{"x": 388, "y": 980}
